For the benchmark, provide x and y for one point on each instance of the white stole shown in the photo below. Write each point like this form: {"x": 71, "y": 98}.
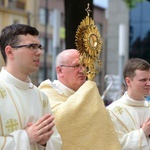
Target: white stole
{"x": 9, "y": 115}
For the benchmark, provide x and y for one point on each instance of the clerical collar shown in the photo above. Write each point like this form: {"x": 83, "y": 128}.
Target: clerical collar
{"x": 64, "y": 89}
{"x": 129, "y": 101}
{"x": 5, "y": 75}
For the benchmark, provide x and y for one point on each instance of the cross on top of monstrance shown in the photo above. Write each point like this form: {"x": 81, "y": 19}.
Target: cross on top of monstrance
{"x": 88, "y": 43}
{"x": 88, "y": 10}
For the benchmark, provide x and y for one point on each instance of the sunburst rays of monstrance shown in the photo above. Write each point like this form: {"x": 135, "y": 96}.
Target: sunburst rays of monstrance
{"x": 88, "y": 43}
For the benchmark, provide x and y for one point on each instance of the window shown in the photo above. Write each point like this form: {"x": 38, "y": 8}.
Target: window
{"x": 15, "y": 21}
{"x": 42, "y": 41}
{"x": 139, "y": 41}
{"x": 40, "y": 75}
{"x": 42, "y": 16}
{"x": 50, "y": 46}
{"x": 51, "y": 17}
{"x": 99, "y": 26}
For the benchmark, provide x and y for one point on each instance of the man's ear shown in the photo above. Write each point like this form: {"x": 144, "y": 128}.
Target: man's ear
{"x": 58, "y": 69}
{"x": 127, "y": 80}
{"x": 9, "y": 52}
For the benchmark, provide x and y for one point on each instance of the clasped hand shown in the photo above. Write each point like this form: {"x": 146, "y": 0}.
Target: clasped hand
{"x": 41, "y": 131}
{"x": 146, "y": 127}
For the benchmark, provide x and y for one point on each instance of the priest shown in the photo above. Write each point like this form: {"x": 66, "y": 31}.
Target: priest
{"x": 80, "y": 115}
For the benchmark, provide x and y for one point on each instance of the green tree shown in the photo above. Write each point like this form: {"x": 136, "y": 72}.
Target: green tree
{"x": 132, "y": 3}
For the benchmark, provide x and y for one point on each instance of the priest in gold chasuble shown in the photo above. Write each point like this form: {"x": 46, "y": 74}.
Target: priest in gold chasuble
{"x": 80, "y": 114}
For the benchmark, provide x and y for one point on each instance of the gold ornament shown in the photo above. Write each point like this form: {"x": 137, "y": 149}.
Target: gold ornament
{"x": 89, "y": 44}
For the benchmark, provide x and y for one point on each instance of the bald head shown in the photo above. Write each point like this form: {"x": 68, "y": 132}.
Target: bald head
{"x": 66, "y": 56}
{"x": 69, "y": 71}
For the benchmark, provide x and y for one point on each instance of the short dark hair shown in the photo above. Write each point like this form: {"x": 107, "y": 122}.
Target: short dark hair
{"x": 134, "y": 64}
{"x": 9, "y": 35}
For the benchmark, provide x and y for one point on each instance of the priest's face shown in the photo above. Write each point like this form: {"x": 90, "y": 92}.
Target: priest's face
{"x": 71, "y": 73}
{"x": 25, "y": 56}
{"x": 139, "y": 85}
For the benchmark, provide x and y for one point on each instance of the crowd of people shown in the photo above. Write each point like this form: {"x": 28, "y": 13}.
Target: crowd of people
{"x": 67, "y": 113}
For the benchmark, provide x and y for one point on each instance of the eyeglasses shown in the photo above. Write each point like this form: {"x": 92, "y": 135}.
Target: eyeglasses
{"x": 32, "y": 46}
{"x": 73, "y": 66}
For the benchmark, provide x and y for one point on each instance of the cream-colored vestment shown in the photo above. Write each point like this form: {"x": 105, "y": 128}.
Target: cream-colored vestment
{"x": 81, "y": 117}
{"x": 22, "y": 103}
{"x": 128, "y": 115}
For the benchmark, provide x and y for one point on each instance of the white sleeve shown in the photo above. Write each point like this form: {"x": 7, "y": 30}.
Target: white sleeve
{"x": 15, "y": 141}
{"x": 129, "y": 140}
{"x": 55, "y": 141}
{"x": 133, "y": 140}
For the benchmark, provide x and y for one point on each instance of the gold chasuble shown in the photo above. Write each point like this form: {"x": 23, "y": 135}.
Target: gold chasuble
{"x": 82, "y": 119}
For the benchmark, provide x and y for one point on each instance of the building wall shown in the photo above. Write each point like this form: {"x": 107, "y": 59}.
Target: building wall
{"x": 118, "y": 14}
{"x": 99, "y": 17}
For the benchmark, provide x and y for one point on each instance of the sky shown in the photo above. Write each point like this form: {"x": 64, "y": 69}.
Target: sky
{"x": 101, "y": 3}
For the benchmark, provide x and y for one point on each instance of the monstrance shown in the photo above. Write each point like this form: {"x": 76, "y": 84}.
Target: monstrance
{"x": 88, "y": 43}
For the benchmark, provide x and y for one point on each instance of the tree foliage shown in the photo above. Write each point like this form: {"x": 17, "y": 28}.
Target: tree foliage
{"x": 132, "y": 3}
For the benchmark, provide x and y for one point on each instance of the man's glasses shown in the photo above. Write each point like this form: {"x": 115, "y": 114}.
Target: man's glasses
{"x": 32, "y": 46}
{"x": 73, "y": 66}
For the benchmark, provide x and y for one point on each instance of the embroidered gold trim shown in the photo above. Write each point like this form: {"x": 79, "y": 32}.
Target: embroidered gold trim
{"x": 14, "y": 104}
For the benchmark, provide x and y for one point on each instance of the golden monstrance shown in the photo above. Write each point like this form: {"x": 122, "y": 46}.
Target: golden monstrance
{"x": 88, "y": 43}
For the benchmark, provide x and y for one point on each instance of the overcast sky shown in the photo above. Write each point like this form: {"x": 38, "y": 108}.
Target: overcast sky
{"x": 101, "y": 3}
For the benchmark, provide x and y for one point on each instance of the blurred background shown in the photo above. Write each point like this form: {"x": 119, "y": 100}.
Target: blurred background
{"x": 124, "y": 26}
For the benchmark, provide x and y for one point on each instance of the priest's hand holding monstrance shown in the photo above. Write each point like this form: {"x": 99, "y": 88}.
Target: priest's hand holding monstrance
{"x": 101, "y": 129}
